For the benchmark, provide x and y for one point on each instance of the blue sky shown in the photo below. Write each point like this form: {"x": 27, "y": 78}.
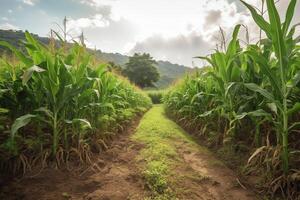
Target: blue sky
{"x": 174, "y": 30}
{"x": 39, "y": 16}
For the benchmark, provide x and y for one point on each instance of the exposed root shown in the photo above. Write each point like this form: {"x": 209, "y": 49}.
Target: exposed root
{"x": 266, "y": 162}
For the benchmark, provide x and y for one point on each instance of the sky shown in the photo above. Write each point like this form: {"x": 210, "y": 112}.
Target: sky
{"x": 173, "y": 30}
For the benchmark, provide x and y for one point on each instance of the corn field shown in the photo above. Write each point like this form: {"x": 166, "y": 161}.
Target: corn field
{"x": 57, "y": 104}
{"x": 250, "y": 95}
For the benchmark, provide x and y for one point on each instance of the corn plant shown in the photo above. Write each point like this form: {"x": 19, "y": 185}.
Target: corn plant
{"x": 250, "y": 95}
{"x": 280, "y": 70}
{"x": 62, "y": 100}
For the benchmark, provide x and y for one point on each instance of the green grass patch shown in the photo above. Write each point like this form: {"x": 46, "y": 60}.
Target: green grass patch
{"x": 159, "y": 135}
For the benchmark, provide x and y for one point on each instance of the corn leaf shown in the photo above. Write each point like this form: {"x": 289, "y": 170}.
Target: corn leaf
{"x": 21, "y": 122}
{"x": 256, "y": 88}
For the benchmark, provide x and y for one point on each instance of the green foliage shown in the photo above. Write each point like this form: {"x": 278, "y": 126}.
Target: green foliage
{"x": 156, "y": 96}
{"x": 252, "y": 93}
{"x": 161, "y": 159}
{"x": 114, "y": 68}
{"x": 141, "y": 70}
{"x": 159, "y": 152}
{"x": 155, "y": 176}
{"x": 61, "y": 100}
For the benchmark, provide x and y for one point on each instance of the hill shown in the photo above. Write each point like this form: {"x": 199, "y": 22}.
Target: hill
{"x": 169, "y": 72}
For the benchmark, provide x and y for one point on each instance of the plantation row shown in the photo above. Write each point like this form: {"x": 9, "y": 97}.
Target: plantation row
{"x": 250, "y": 96}
{"x": 55, "y": 104}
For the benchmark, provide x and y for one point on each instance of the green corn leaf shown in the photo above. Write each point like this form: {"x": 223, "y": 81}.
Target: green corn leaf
{"x": 255, "y": 113}
{"x": 218, "y": 79}
{"x": 232, "y": 47}
{"x": 205, "y": 58}
{"x": 58, "y": 36}
{"x": 294, "y": 109}
{"x": 295, "y": 80}
{"x": 21, "y": 56}
{"x": 254, "y": 87}
{"x": 264, "y": 66}
{"x": 220, "y": 60}
{"x": 39, "y": 46}
{"x": 30, "y": 39}
{"x": 84, "y": 122}
{"x": 229, "y": 86}
{"x": 273, "y": 107}
{"x": 46, "y": 111}
{"x": 29, "y": 72}
{"x": 278, "y": 42}
{"x": 3, "y": 110}
{"x": 21, "y": 122}
{"x": 289, "y": 16}
{"x": 207, "y": 113}
{"x": 260, "y": 21}
{"x": 259, "y": 113}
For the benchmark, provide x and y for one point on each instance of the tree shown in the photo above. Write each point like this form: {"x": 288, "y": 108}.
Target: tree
{"x": 141, "y": 70}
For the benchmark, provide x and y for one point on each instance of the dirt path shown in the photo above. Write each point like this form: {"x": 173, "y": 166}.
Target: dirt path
{"x": 191, "y": 171}
{"x": 157, "y": 161}
{"x": 208, "y": 178}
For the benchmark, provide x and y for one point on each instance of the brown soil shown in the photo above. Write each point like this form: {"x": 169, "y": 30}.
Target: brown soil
{"x": 113, "y": 177}
{"x": 202, "y": 176}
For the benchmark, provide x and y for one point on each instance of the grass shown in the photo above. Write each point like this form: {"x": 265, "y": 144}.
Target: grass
{"x": 159, "y": 157}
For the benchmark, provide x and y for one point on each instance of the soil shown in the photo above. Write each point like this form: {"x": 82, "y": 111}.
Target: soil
{"x": 207, "y": 178}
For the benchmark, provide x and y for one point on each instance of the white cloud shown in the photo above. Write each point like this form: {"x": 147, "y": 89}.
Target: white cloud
{"x": 76, "y": 26}
{"x": 4, "y": 18}
{"x": 9, "y": 11}
{"x": 178, "y": 49}
{"x": 7, "y": 26}
{"x": 95, "y": 21}
{"x": 183, "y": 30}
{"x": 141, "y": 25}
{"x": 192, "y": 26}
{"x": 97, "y": 3}
{"x": 29, "y": 2}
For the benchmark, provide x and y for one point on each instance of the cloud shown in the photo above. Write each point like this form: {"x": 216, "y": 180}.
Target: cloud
{"x": 213, "y": 17}
{"x": 105, "y": 7}
{"x": 97, "y": 3}
{"x": 174, "y": 31}
{"x": 95, "y": 21}
{"x": 30, "y": 2}
{"x": 222, "y": 14}
{"x": 195, "y": 40}
{"x": 101, "y": 19}
{"x": 179, "y": 49}
{"x": 114, "y": 37}
{"x": 75, "y": 26}
{"x": 7, "y": 26}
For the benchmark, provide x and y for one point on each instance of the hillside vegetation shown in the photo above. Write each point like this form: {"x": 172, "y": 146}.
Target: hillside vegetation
{"x": 169, "y": 72}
